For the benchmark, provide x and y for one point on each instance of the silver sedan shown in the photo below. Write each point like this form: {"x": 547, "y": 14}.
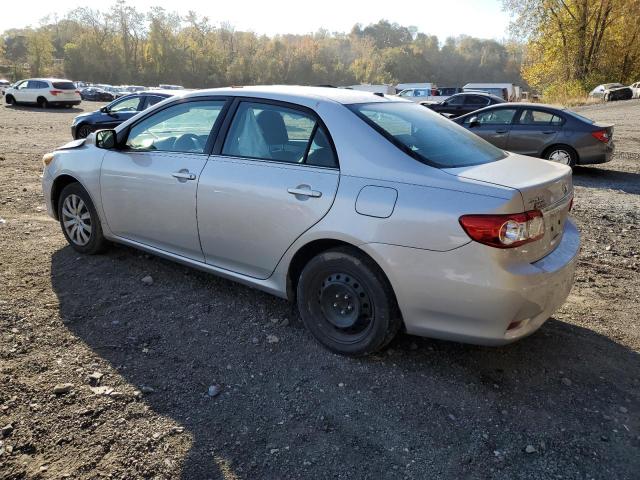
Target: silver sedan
{"x": 373, "y": 213}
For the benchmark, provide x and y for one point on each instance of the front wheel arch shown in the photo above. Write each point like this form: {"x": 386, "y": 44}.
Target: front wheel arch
{"x": 58, "y": 185}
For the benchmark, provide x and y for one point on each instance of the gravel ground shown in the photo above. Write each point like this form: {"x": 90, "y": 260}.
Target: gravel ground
{"x": 105, "y": 376}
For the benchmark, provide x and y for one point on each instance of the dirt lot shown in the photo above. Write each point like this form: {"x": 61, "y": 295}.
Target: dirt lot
{"x": 564, "y": 403}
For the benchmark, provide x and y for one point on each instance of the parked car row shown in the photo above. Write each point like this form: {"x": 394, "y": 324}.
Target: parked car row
{"x": 399, "y": 212}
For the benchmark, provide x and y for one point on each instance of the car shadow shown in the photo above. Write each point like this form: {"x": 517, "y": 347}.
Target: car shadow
{"x": 595, "y": 177}
{"x": 289, "y": 408}
{"x": 29, "y": 108}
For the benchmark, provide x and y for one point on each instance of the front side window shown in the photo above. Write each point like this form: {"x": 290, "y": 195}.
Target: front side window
{"x": 126, "y": 104}
{"x": 501, "y": 116}
{"x": 456, "y": 100}
{"x": 274, "y": 132}
{"x": 426, "y": 135}
{"x": 406, "y": 93}
{"x": 184, "y": 127}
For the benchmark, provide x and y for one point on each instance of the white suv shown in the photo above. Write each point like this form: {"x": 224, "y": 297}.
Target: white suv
{"x": 43, "y": 92}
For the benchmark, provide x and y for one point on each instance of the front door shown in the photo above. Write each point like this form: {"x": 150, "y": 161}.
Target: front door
{"x": 534, "y": 131}
{"x": 149, "y": 186}
{"x": 275, "y": 177}
{"x": 493, "y": 125}
{"x": 119, "y": 111}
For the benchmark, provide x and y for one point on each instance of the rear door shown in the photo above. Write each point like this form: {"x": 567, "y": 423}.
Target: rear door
{"x": 493, "y": 125}
{"x": 272, "y": 178}
{"x": 453, "y": 105}
{"x": 533, "y": 131}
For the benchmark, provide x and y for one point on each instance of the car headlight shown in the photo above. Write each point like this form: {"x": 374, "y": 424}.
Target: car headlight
{"x": 47, "y": 158}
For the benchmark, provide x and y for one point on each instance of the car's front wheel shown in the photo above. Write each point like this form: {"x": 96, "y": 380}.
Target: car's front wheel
{"x": 79, "y": 220}
{"x": 83, "y": 131}
{"x": 10, "y": 100}
{"x": 347, "y": 303}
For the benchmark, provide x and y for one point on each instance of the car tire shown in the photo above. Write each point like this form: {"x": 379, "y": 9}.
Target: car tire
{"x": 79, "y": 220}
{"x": 347, "y": 303}
{"x": 10, "y": 100}
{"x": 563, "y": 154}
{"x": 83, "y": 131}
{"x": 43, "y": 103}
{"x": 606, "y": 97}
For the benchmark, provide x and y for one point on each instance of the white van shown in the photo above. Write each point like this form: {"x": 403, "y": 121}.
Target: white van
{"x": 496, "y": 89}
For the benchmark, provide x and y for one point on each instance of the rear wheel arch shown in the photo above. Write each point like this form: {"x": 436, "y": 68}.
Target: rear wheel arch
{"x": 310, "y": 250}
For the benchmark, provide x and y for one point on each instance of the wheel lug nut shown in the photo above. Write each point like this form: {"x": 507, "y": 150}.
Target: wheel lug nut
{"x": 342, "y": 312}
{"x": 335, "y": 304}
{"x": 337, "y": 295}
{"x": 346, "y": 297}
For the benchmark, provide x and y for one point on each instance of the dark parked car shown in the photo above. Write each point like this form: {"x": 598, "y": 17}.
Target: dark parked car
{"x": 96, "y": 94}
{"x": 542, "y": 131}
{"x": 463, "y": 103}
{"x": 116, "y": 112}
{"x": 612, "y": 91}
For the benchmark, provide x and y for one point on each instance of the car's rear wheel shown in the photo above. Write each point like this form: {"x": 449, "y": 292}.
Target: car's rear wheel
{"x": 83, "y": 131}
{"x": 347, "y": 303}
{"x": 42, "y": 102}
{"x": 79, "y": 220}
{"x": 563, "y": 154}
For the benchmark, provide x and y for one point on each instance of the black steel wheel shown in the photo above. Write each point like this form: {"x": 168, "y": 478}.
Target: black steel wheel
{"x": 347, "y": 303}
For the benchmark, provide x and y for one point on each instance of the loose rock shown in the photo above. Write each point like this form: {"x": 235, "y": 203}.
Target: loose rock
{"x": 148, "y": 280}
{"x": 214, "y": 390}
{"x": 62, "y": 388}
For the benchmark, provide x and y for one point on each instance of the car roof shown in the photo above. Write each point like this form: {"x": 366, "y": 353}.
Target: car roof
{"x": 293, "y": 92}
{"x": 50, "y": 79}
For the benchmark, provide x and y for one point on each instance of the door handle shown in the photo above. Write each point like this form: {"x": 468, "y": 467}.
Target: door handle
{"x": 548, "y": 132}
{"x": 304, "y": 191}
{"x": 501, "y": 131}
{"x": 184, "y": 174}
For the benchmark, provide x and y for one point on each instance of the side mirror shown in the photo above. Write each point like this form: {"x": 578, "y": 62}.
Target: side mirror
{"x": 106, "y": 139}
{"x": 473, "y": 122}
{"x": 104, "y": 109}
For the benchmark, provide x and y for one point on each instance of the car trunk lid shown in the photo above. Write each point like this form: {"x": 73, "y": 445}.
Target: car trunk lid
{"x": 544, "y": 186}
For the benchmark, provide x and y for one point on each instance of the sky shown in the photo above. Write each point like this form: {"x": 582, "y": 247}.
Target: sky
{"x": 444, "y": 18}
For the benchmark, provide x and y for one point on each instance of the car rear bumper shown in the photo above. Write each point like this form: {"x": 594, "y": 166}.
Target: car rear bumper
{"x": 472, "y": 294}
{"x": 598, "y": 153}
{"x": 64, "y": 103}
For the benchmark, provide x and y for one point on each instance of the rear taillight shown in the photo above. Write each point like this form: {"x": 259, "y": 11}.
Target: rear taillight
{"x": 504, "y": 231}
{"x": 601, "y": 135}
{"x": 55, "y": 92}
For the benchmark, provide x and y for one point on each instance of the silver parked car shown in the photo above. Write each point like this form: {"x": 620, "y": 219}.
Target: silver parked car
{"x": 373, "y": 213}
{"x": 543, "y": 131}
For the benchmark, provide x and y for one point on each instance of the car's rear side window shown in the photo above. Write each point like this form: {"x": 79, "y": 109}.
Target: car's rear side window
{"x": 64, "y": 85}
{"x": 426, "y": 135}
{"x": 539, "y": 117}
{"x": 274, "y": 132}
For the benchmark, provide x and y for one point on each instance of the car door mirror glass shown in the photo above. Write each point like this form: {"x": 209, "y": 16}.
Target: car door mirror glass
{"x": 106, "y": 139}
{"x": 104, "y": 109}
{"x": 473, "y": 122}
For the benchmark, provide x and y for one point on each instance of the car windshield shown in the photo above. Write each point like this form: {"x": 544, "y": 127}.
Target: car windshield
{"x": 426, "y": 135}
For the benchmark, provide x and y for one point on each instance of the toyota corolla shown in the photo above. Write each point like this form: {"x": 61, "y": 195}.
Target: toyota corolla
{"x": 373, "y": 213}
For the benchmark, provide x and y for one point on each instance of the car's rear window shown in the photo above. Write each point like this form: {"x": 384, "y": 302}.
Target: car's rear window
{"x": 579, "y": 117}
{"x": 426, "y": 135}
{"x": 64, "y": 85}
